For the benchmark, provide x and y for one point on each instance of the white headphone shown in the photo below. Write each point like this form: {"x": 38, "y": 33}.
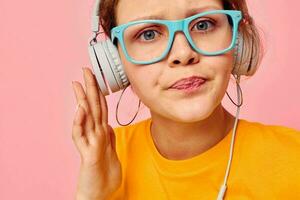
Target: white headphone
{"x": 107, "y": 64}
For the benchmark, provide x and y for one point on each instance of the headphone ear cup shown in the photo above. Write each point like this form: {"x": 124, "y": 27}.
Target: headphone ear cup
{"x": 238, "y": 55}
{"x": 97, "y": 58}
{"x": 245, "y": 61}
{"x": 116, "y": 65}
{"x": 107, "y": 66}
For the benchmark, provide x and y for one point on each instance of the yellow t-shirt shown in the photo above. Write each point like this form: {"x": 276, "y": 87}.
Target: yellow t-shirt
{"x": 265, "y": 165}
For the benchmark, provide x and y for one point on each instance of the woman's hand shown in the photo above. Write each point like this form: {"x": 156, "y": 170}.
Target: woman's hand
{"x": 100, "y": 171}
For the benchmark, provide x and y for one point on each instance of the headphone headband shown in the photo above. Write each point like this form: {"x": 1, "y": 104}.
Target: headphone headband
{"x": 96, "y": 16}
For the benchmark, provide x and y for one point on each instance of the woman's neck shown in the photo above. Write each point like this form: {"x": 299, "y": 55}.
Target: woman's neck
{"x": 178, "y": 141}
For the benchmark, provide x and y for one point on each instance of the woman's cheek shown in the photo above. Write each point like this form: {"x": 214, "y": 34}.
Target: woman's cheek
{"x": 219, "y": 83}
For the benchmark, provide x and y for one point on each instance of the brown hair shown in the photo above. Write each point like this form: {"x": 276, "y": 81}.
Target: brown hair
{"x": 247, "y": 26}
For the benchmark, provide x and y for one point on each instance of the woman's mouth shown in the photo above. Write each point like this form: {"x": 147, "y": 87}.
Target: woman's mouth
{"x": 189, "y": 87}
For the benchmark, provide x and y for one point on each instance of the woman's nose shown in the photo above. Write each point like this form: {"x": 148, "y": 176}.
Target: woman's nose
{"x": 181, "y": 53}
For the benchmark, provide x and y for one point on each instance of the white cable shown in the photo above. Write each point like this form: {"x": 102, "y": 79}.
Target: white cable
{"x": 224, "y": 187}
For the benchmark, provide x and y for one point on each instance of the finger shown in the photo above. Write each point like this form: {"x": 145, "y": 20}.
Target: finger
{"x": 92, "y": 95}
{"x": 112, "y": 137}
{"x": 78, "y": 136}
{"x": 104, "y": 109}
{"x": 82, "y": 100}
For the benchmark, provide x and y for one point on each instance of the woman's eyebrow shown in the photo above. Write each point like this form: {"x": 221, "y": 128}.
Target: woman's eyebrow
{"x": 194, "y": 11}
{"x": 190, "y": 12}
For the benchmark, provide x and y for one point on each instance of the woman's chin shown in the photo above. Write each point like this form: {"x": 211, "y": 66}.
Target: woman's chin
{"x": 191, "y": 114}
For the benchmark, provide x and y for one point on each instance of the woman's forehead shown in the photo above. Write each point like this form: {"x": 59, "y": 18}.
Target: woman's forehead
{"x": 131, "y": 10}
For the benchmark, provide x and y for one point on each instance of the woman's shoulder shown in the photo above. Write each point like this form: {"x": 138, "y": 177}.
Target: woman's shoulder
{"x": 133, "y": 132}
{"x": 269, "y": 150}
{"x": 263, "y": 127}
{"x": 131, "y": 137}
{"x": 268, "y": 134}
{"x": 129, "y": 130}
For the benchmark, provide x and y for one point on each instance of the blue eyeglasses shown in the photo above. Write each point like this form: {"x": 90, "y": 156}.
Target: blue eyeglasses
{"x": 209, "y": 33}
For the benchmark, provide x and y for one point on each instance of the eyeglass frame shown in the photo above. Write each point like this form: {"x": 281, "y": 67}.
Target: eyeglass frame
{"x": 174, "y": 26}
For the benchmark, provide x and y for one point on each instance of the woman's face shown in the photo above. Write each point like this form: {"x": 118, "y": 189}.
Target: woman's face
{"x": 151, "y": 82}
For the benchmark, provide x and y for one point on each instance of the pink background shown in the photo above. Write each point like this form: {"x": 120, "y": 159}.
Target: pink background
{"x": 43, "y": 45}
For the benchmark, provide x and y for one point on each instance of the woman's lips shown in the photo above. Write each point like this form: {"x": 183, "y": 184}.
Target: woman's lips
{"x": 187, "y": 82}
{"x": 188, "y": 85}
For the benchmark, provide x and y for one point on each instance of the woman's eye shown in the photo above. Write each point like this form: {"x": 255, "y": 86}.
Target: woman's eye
{"x": 203, "y": 25}
{"x": 148, "y": 35}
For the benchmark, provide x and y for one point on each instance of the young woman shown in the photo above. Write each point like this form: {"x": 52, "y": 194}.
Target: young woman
{"x": 178, "y": 57}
